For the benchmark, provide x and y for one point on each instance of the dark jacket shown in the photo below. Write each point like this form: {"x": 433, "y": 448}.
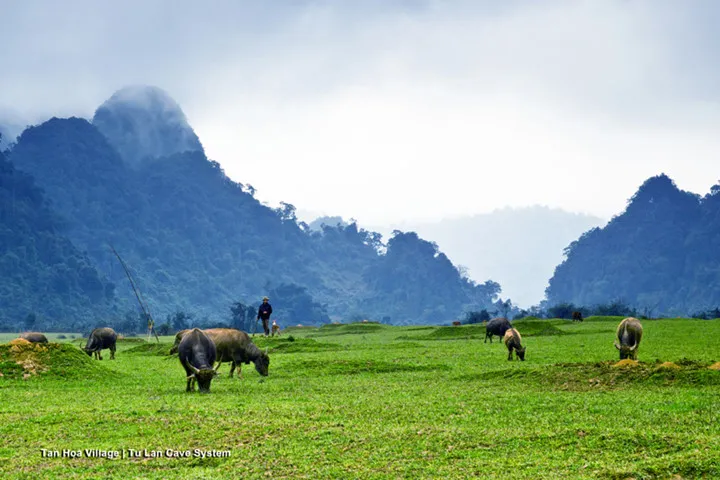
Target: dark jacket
{"x": 264, "y": 311}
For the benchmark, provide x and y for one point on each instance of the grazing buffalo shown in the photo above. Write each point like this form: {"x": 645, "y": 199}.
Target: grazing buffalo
{"x": 197, "y": 355}
{"x": 235, "y": 346}
{"x": 178, "y": 337}
{"x": 456, "y": 323}
{"x": 629, "y": 334}
{"x": 34, "y": 337}
{"x": 496, "y": 326}
{"x": 99, "y": 339}
{"x": 512, "y": 341}
{"x": 577, "y": 317}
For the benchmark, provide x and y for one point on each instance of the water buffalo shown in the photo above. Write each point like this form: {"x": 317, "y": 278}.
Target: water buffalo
{"x": 99, "y": 339}
{"x": 34, "y": 337}
{"x": 197, "y": 355}
{"x": 496, "y": 326}
{"x": 512, "y": 341}
{"x": 629, "y": 334}
{"x": 235, "y": 346}
{"x": 577, "y": 316}
{"x": 178, "y": 337}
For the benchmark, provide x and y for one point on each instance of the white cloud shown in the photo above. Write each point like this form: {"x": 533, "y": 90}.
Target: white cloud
{"x": 388, "y": 112}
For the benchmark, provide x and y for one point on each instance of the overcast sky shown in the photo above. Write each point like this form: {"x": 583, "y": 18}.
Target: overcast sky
{"x": 394, "y": 111}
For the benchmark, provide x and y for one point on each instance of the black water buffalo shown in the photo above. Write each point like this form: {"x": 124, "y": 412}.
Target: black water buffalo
{"x": 178, "y": 337}
{"x": 512, "y": 341}
{"x": 100, "y": 339}
{"x": 235, "y": 346}
{"x": 577, "y": 316}
{"x": 629, "y": 334}
{"x": 496, "y": 326}
{"x": 34, "y": 337}
{"x": 197, "y": 355}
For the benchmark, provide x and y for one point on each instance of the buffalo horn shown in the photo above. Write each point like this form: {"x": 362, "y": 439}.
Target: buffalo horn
{"x": 191, "y": 367}
{"x": 617, "y": 346}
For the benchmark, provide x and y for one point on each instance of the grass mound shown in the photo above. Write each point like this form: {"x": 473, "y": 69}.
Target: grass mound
{"x": 25, "y": 359}
{"x": 527, "y": 328}
{"x": 538, "y": 328}
{"x": 452, "y": 333}
{"x": 145, "y": 348}
{"x": 347, "y": 329}
{"x": 354, "y": 367}
{"x": 604, "y": 375}
{"x": 130, "y": 340}
{"x": 290, "y": 344}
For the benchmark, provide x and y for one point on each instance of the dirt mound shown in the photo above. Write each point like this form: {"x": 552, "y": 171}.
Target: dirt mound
{"x": 669, "y": 365}
{"x": 715, "y": 366}
{"x": 22, "y": 359}
{"x": 627, "y": 363}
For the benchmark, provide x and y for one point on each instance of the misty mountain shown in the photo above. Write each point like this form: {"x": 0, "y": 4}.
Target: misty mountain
{"x": 144, "y": 121}
{"x": 197, "y": 241}
{"x": 10, "y": 128}
{"x": 517, "y": 247}
{"x": 660, "y": 255}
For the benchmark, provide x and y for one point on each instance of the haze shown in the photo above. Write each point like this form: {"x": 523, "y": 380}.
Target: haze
{"x": 396, "y": 111}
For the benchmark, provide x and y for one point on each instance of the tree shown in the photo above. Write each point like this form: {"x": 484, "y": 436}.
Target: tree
{"x": 164, "y": 329}
{"x": 287, "y": 212}
{"x": 477, "y": 317}
{"x": 180, "y": 320}
{"x": 505, "y": 307}
{"x": 562, "y": 310}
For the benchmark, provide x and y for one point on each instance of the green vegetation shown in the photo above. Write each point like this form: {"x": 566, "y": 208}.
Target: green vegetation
{"x": 200, "y": 243}
{"x": 659, "y": 256}
{"x": 43, "y": 274}
{"x": 353, "y": 401}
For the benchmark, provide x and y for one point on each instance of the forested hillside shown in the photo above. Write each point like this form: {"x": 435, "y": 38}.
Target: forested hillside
{"x": 45, "y": 281}
{"x": 199, "y": 242}
{"x": 659, "y": 256}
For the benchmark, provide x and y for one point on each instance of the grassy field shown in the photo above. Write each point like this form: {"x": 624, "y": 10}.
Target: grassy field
{"x": 372, "y": 401}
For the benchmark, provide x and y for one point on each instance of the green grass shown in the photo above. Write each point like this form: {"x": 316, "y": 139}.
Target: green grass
{"x": 372, "y": 401}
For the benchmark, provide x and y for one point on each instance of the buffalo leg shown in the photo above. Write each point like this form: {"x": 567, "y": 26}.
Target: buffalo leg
{"x": 187, "y": 388}
{"x": 232, "y": 368}
{"x": 510, "y": 354}
{"x": 218, "y": 365}
{"x": 112, "y": 353}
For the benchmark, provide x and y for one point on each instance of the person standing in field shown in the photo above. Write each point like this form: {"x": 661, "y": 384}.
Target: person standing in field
{"x": 264, "y": 313}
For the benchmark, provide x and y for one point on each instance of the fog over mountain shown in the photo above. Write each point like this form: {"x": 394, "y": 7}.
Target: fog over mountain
{"x": 144, "y": 121}
{"x": 517, "y": 247}
{"x": 11, "y": 126}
